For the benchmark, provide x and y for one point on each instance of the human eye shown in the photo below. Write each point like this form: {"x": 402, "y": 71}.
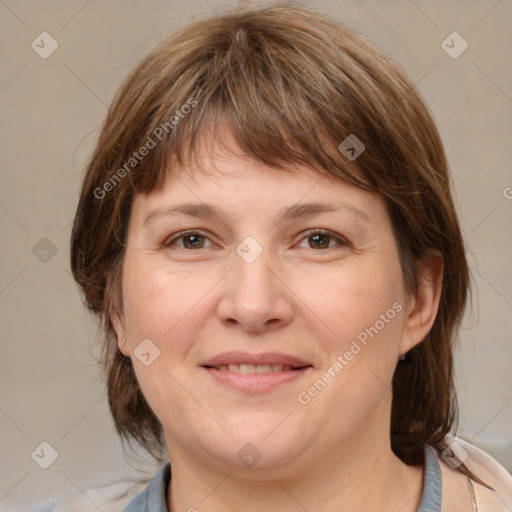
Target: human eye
{"x": 191, "y": 240}
{"x": 322, "y": 238}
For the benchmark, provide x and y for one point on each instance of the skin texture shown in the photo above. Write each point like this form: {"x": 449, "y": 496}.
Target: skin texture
{"x": 306, "y": 296}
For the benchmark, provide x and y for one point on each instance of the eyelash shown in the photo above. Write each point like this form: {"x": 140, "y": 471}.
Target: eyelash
{"x": 309, "y": 233}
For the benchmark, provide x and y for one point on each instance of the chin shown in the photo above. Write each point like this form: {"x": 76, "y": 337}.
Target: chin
{"x": 254, "y": 448}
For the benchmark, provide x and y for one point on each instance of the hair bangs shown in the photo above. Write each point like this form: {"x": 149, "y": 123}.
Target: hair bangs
{"x": 255, "y": 107}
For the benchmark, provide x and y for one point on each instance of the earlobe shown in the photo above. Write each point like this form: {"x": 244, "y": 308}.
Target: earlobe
{"x": 120, "y": 334}
{"x": 422, "y": 308}
{"x": 123, "y": 346}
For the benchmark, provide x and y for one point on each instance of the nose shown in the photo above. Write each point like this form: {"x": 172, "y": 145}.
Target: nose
{"x": 255, "y": 296}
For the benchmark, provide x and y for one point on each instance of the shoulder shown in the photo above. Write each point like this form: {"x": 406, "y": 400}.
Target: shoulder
{"x": 458, "y": 492}
{"x": 108, "y": 498}
{"x": 153, "y": 498}
{"x": 143, "y": 494}
{"x": 492, "y": 473}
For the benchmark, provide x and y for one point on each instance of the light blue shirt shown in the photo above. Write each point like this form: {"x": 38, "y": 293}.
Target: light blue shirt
{"x": 153, "y": 498}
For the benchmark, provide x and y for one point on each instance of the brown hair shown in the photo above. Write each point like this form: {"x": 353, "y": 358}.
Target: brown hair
{"x": 291, "y": 84}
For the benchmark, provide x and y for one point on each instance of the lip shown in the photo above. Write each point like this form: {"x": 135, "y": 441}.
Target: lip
{"x": 263, "y": 358}
{"x": 255, "y": 382}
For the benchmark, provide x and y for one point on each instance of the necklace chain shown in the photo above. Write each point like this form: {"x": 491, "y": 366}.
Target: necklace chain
{"x": 472, "y": 493}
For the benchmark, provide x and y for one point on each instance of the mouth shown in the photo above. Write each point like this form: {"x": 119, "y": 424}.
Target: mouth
{"x": 265, "y": 362}
{"x": 255, "y": 373}
{"x": 260, "y": 369}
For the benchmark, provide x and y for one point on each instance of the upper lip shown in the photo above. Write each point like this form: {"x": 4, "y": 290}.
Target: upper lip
{"x": 256, "y": 359}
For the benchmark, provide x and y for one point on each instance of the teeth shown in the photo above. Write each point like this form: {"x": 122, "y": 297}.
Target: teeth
{"x": 251, "y": 368}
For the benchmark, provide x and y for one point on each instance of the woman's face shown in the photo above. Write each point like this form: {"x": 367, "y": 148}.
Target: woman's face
{"x": 286, "y": 269}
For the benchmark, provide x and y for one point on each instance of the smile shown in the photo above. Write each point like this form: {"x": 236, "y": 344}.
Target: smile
{"x": 251, "y": 368}
{"x": 255, "y": 379}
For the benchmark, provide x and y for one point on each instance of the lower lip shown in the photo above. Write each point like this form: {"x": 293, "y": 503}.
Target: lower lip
{"x": 256, "y": 382}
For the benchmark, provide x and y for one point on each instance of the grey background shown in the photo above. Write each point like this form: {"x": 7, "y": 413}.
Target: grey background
{"x": 51, "y": 113}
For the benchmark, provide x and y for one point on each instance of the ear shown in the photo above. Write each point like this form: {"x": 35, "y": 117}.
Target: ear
{"x": 118, "y": 324}
{"x": 422, "y": 308}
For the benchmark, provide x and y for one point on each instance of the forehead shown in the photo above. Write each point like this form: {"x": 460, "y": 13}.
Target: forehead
{"x": 220, "y": 173}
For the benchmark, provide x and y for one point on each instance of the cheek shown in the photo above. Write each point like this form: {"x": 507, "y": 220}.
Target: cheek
{"x": 159, "y": 306}
{"x": 362, "y": 306}
{"x": 364, "y": 309}
{"x": 155, "y": 299}
{"x": 354, "y": 297}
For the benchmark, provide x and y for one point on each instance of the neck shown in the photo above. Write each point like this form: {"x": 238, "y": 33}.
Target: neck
{"x": 351, "y": 477}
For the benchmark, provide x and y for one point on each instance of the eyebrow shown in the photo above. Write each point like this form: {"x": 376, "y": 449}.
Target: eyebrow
{"x": 296, "y": 211}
